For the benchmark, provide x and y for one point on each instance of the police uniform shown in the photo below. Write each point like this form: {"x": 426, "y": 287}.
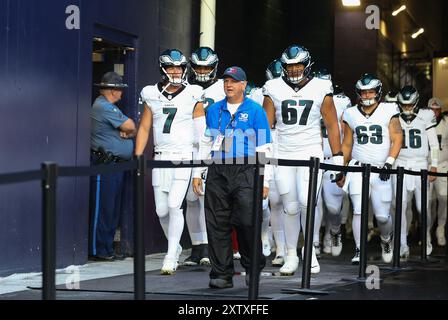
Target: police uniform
{"x": 106, "y": 190}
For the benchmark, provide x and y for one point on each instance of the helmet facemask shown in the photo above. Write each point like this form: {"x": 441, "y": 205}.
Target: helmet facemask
{"x": 369, "y": 82}
{"x": 294, "y": 55}
{"x": 408, "y": 96}
{"x": 173, "y": 58}
{"x": 204, "y": 57}
{"x": 205, "y": 77}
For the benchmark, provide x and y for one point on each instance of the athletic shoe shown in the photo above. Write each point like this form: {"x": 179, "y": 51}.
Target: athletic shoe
{"x": 386, "y": 248}
{"x": 290, "y": 266}
{"x": 336, "y": 243}
{"x": 355, "y": 259}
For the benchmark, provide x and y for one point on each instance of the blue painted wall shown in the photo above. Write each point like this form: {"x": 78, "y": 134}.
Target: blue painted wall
{"x": 45, "y": 98}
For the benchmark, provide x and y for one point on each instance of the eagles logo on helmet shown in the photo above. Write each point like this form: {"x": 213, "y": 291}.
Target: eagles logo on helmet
{"x": 274, "y": 70}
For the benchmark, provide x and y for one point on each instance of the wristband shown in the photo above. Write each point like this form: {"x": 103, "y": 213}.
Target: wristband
{"x": 390, "y": 160}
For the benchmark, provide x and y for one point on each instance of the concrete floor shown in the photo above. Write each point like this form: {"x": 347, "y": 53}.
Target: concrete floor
{"x": 114, "y": 281}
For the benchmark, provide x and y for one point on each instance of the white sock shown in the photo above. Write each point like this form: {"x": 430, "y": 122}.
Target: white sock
{"x": 175, "y": 229}
{"x": 265, "y": 225}
{"x": 196, "y": 227}
{"x": 292, "y": 230}
{"x": 356, "y": 226}
{"x": 278, "y": 226}
{"x": 385, "y": 228}
{"x": 165, "y": 222}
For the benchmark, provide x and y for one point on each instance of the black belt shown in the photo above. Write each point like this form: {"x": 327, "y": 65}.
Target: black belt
{"x": 106, "y": 157}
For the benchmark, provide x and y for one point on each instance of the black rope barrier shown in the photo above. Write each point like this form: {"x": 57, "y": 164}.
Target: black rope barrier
{"x": 50, "y": 172}
{"x": 20, "y": 177}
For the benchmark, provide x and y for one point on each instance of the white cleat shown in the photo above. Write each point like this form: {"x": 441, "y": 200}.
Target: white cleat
{"x": 386, "y": 248}
{"x": 428, "y": 244}
{"x": 336, "y": 243}
{"x": 278, "y": 261}
{"x": 290, "y": 266}
{"x": 440, "y": 234}
{"x": 327, "y": 244}
{"x": 266, "y": 249}
{"x": 404, "y": 252}
{"x": 355, "y": 259}
{"x": 169, "y": 266}
{"x": 315, "y": 267}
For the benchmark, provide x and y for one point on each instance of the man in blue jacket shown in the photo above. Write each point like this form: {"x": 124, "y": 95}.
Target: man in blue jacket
{"x": 237, "y": 127}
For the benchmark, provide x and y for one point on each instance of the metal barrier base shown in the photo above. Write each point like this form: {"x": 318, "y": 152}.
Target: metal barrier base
{"x": 310, "y": 292}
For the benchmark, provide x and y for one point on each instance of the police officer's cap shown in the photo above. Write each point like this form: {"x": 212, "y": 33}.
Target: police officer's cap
{"x": 112, "y": 80}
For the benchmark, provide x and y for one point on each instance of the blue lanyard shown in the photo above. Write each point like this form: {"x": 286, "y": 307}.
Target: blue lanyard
{"x": 232, "y": 122}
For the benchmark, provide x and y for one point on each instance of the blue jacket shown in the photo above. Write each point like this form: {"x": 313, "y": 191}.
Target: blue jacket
{"x": 248, "y": 128}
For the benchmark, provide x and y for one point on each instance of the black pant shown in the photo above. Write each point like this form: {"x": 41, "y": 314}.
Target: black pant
{"x": 228, "y": 203}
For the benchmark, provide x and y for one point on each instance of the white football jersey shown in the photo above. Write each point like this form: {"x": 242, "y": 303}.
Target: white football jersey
{"x": 173, "y": 126}
{"x": 442, "y": 136}
{"x": 415, "y": 140}
{"x": 257, "y": 96}
{"x": 341, "y": 102}
{"x": 371, "y": 140}
{"x": 298, "y": 113}
{"x": 214, "y": 93}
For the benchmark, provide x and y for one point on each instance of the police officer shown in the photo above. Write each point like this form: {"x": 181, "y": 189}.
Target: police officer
{"x": 111, "y": 142}
{"x": 236, "y": 127}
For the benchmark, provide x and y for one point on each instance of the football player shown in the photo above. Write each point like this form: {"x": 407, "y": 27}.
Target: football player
{"x": 295, "y": 103}
{"x": 203, "y": 72}
{"x": 438, "y": 189}
{"x": 173, "y": 109}
{"x": 372, "y": 135}
{"x": 419, "y": 133}
{"x": 332, "y": 195}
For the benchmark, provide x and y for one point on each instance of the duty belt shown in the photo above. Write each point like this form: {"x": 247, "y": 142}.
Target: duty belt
{"x": 106, "y": 157}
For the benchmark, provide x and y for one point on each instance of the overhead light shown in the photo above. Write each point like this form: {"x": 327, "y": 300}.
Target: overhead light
{"x": 396, "y": 12}
{"x": 351, "y": 3}
{"x": 419, "y": 32}
{"x": 443, "y": 61}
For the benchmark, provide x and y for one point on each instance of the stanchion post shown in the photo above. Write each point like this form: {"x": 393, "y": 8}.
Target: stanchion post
{"x": 398, "y": 217}
{"x": 446, "y": 225}
{"x": 50, "y": 171}
{"x": 309, "y": 229}
{"x": 254, "y": 275}
{"x": 364, "y": 220}
{"x": 139, "y": 225}
{"x": 424, "y": 211}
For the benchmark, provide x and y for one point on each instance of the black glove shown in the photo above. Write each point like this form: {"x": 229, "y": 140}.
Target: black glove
{"x": 336, "y": 177}
{"x": 385, "y": 176}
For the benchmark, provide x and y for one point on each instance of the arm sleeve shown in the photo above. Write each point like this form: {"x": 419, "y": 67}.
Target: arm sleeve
{"x": 433, "y": 146}
{"x": 205, "y": 144}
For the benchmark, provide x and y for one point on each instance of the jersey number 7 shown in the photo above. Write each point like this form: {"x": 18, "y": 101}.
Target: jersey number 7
{"x": 290, "y": 112}
{"x": 171, "y": 112}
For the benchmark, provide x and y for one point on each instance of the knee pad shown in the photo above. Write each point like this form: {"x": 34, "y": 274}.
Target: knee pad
{"x": 292, "y": 208}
